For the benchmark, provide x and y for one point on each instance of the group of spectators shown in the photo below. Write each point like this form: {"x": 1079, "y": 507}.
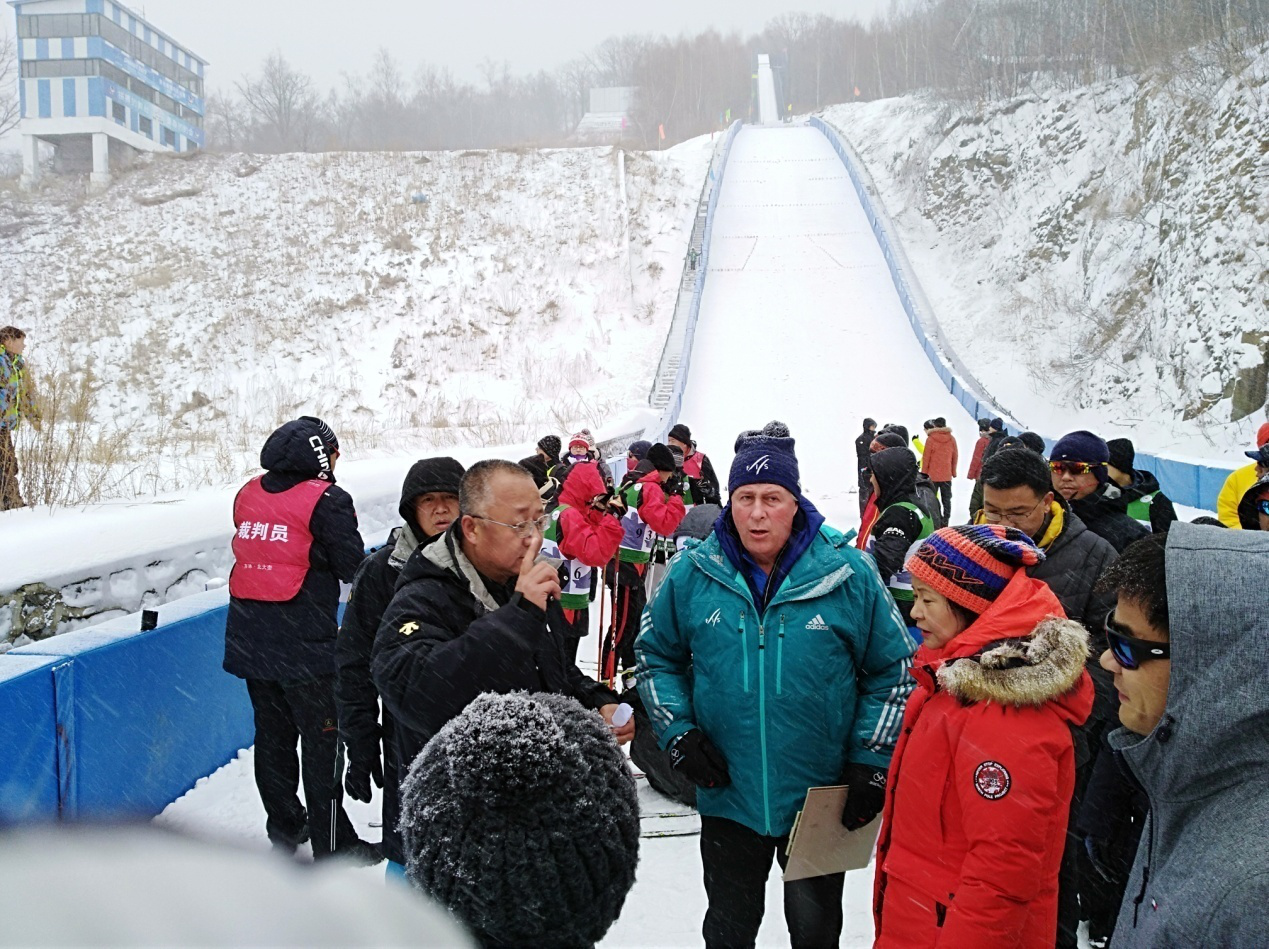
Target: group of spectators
{"x": 1001, "y": 693}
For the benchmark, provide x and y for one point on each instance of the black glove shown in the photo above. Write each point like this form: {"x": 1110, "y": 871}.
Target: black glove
{"x": 673, "y": 485}
{"x": 364, "y": 765}
{"x": 696, "y": 758}
{"x": 866, "y": 797}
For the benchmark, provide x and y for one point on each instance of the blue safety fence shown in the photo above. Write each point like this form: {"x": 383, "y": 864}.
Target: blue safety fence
{"x": 670, "y": 414}
{"x": 109, "y": 722}
{"x": 1187, "y": 483}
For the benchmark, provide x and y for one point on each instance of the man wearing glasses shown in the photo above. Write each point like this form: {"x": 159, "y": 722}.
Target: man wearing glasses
{"x": 1078, "y": 463}
{"x": 1195, "y": 734}
{"x": 477, "y": 612}
{"x": 1018, "y": 492}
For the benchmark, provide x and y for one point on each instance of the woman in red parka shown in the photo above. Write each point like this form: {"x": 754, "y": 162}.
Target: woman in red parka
{"x": 981, "y": 779}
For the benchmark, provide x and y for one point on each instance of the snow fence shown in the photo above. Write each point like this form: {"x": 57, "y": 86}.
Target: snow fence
{"x": 112, "y": 723}
{"x": 668, "y": 386}
{"x": 1191, "y": 483}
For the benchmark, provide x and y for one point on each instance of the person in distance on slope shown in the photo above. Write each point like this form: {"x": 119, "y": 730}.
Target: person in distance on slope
{"x": 884, "y": 440}
{"x": 1239, "y": 480}
{"x": 976, "y": 462}
{"x": 296, "y": 539}
{"x": 996, "y": 436}
{"x": 753, "y": 634}
{"x": 862, "y": 456}
{"x": 1079, "y": 464}
{"x": 980, "y": 783}
{"x": 939, "y": 461}
{"x": 429, "y": 504}
{"x": 700, "y": 483}
{"x": 650, "y": 506}
{"x": 900, "y": 524}
{"x": 17, "y": 404}
{"x": 1139, "y": 494}
{"x": 583, "y": 535}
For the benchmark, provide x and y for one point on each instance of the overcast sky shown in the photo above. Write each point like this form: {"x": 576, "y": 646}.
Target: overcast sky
{"x": 325, "y": 38}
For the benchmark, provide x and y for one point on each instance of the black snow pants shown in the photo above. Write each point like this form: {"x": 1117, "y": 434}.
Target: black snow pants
{"x": 943, "y": 491}
{"x": 737, "y": 861}
{"x": 303, "y": 713}
{"x": 629, "y": 599}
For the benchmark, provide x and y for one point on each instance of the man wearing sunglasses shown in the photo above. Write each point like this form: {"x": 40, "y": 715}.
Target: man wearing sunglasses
{"x": 1187, "y": 649}
{"x": 1253, "y": 509}
{"x": 1079, "y": 465}
{"x": 478, "y": 612}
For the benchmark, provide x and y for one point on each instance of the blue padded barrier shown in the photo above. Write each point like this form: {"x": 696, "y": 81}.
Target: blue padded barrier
{"x": 1187, "y": 483}
{"x": 28, "y": 719}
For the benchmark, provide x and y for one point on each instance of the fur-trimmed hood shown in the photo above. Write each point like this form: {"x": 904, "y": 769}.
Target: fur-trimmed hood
{"x": 1019, "y": 672}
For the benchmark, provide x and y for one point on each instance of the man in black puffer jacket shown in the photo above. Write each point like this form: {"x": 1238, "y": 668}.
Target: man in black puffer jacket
{"x": 296, "y": 539}
{"x": 901, "y": 522}
{"x": 863, "y": 456}
{"x": 474, "y": 612}
{"x": 429, "y": 504}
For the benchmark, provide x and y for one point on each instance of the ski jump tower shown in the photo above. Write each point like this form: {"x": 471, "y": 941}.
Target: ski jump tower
{"x": 768, "y": 109}
{"x": 99, "y": 83}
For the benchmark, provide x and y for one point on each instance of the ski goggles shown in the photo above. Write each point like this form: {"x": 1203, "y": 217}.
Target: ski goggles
{"x": 1129, "y": 651}
{"x": 1263, "y": 506}
{"x": 1075, "y": 467}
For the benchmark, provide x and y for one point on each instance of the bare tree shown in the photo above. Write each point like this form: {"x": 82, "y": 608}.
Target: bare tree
{"x": 283, "y": 103}
{"x": 9, "y": 110}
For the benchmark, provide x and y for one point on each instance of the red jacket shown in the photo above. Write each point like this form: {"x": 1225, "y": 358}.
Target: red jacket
{"x": 981, "y": 779}
{"x": 660, "y": 513}
{"x": 589, "y": 536}
{"x": 941, "y": 456}
{"x": 976, "y": 462}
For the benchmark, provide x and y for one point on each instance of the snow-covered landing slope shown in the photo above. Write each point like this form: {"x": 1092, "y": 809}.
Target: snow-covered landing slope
{"x": 800, "y": 322}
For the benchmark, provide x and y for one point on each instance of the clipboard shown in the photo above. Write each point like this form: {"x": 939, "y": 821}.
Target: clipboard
{"x": 820, "y": 845}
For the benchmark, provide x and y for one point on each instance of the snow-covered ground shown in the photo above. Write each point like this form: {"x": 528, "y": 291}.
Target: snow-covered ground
{"x": 1098, "y": 257}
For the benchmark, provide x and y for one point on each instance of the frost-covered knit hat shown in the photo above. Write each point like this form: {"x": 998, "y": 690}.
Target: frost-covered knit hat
{"x": 1083, "y": 446}
{"x": 551, "y": 445}
{"x": 521, "y": 817}
{"x": 972, "y": 564}
{"x": 765, "y": 457}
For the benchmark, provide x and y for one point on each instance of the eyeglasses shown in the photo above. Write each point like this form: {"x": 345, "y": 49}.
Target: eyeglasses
{"x": 1014, "y": 518}
{"x": 524, "y": 528}
{"x": 1129, "y": 651}
{"x": 1075, "y": 467}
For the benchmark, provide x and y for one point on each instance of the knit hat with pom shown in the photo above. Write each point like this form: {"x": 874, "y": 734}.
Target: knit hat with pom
{"x": 521, "y": 817}
{"x": 972, "y": 564}
{"x": 765, "y": 457}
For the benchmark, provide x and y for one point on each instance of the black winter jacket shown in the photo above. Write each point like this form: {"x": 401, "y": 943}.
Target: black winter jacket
{"x": 448, "y": 635}
{"x": 1162, "y": 510}
{"x": 862, "y": 455}
{"x": 295, "y": 640}
{"x": 1101, "y": 513}
{"x": 896, "y": 528}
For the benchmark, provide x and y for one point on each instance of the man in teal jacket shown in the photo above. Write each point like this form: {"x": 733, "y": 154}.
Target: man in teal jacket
{"x": 771, "y": 660}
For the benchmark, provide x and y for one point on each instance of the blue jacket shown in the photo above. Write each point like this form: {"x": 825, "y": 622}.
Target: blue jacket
{"x": 788, "y": 694}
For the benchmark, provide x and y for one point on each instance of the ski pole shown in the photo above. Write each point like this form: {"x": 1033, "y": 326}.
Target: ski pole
{"x": 334, "y": 794}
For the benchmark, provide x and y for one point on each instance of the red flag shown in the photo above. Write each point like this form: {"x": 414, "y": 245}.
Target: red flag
{"x": 661, "y": 131}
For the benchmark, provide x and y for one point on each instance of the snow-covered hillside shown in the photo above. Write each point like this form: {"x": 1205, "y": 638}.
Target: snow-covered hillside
{"x": 413, "y": 300}
{"x": 1098, "y": 256}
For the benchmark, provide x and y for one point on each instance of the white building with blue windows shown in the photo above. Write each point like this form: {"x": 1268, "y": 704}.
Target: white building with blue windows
{"x": 99, "y": 83}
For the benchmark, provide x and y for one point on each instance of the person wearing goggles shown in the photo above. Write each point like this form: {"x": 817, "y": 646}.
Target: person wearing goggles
{"x": 1253, "y": 509}
{"x": 1079, "y": 469}
{"x": 1182, "y": 645}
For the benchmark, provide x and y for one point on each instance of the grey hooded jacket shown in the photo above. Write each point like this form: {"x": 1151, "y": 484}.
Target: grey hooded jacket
{"x": 1201, "y": 876}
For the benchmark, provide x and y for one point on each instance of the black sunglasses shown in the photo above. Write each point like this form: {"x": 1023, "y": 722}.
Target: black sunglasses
{"x": 1129, "y": 651}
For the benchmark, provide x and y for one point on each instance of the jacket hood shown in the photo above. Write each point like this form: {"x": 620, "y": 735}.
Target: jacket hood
{"x": 939, "y": 433}
{"x": 1214, "y": 734}
{"x": 443, "y": 558}
{"x": 896, "y": 471}
{"x": 582, "y": 483}
{"x": 1021, "y": 652}
{"x": 1248, "y": 516}
{"x": 869, "y": 423}
{"x": 298, "y": 448}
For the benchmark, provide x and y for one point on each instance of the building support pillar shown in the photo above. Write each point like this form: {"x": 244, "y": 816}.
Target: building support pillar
{"x": 101, "y": 159}
{"x": 30, "y": 161}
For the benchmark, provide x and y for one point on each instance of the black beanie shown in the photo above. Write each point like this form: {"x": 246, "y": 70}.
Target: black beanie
{"x": 425, "y": 476}
{"x": 1122, "y": 454}
{"x": 551, "y": 445}
{"x": 682, "y": 433}
{"x": 521, "y": 817}
{"x": 661, "y": 457}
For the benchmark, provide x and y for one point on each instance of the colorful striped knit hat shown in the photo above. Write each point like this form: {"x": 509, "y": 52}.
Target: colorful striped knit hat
{"x": 970, "y": 565}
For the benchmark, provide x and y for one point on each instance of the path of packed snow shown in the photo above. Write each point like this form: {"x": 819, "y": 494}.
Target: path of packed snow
{"x": 799, "y": 322}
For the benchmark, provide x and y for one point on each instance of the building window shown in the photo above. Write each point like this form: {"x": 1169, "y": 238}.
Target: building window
{"x": 169, "y": 138}
{"x": 145, "y": 127}
{"x": 118, "y": 112}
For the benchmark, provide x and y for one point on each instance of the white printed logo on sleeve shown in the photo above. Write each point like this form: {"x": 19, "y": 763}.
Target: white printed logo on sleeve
{"x": 991, "y": 780}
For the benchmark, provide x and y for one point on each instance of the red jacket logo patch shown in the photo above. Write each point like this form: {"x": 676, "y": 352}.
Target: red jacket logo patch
{"x": 991, "y": 780}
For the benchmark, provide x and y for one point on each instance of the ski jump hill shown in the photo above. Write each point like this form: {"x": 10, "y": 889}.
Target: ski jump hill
{"x": 801, "y": 308}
